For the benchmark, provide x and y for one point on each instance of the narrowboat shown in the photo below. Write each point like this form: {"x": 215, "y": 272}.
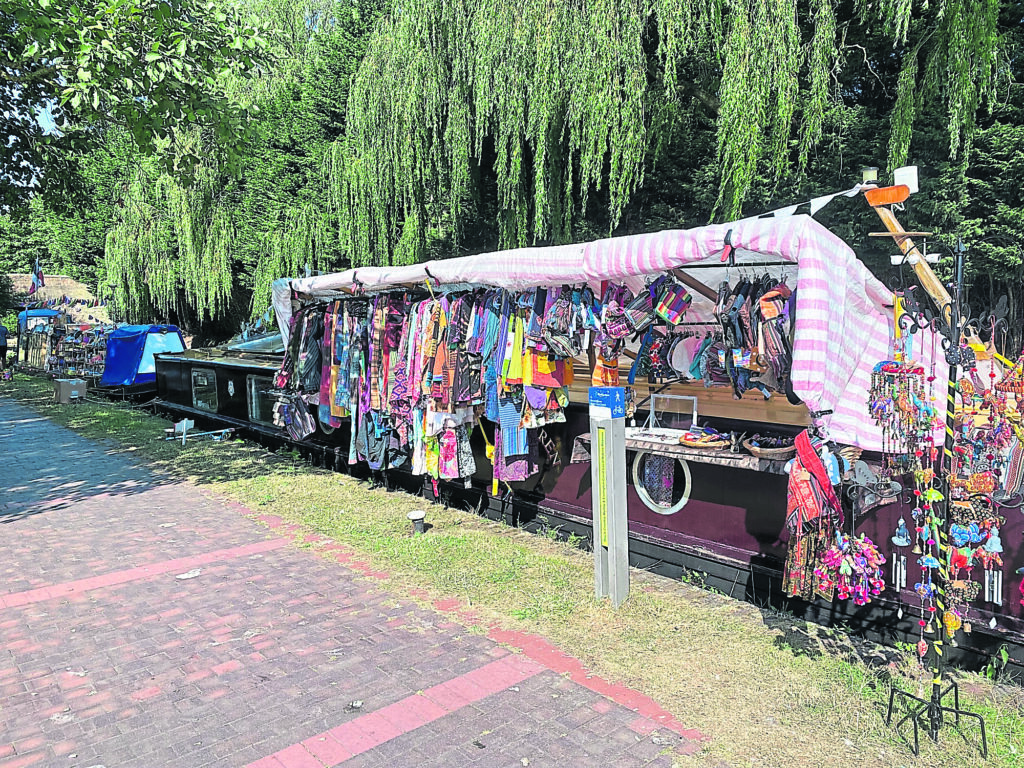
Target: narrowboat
{"x": 704, "y": 505}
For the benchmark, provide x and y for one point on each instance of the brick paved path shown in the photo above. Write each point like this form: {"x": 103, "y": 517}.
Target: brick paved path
{"x": 108, "y": 657}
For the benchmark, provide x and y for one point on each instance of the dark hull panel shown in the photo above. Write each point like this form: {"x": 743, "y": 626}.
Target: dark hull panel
{"x": 731, "y": 532}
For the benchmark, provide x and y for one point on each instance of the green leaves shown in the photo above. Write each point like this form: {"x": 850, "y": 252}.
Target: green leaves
{"x": 101, "y": 59}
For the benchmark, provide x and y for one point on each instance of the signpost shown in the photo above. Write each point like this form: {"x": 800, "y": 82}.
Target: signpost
{"x": 608, "y": 484}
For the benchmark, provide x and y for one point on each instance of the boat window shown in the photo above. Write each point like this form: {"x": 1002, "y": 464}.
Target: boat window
{"x": 662, "y": 482}
{"x": 261, "y": 404}
{"x": 204, "y": 389}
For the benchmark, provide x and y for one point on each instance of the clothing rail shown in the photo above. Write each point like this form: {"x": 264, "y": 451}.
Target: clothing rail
{"x": 738, "y": 265}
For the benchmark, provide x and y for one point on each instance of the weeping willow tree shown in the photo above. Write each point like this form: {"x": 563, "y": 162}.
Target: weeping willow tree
{"x": 952, "y": 58}
{"x": 563, "y": 99}
{"x": 173, "y": 254}
{"x": 196, "y": 253}
{"x": 172, "y": 248}
{"x": 296, "y": 244}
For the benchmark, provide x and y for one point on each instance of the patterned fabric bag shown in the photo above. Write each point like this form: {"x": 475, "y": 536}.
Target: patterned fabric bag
{"x": 559, "y": 332}
{"x": 640, "y": 311}
{"x": 613, "y": 316}
{"x": 673, "y": 302}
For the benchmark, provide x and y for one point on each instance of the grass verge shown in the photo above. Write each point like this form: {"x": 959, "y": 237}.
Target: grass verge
{"x": 768, "y": 689}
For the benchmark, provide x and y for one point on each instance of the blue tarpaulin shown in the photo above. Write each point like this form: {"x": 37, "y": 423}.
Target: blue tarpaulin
{"x": 130, "y": 351}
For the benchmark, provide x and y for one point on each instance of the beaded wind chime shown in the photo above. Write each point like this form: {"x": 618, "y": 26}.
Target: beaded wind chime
{"x": 902, "y": 402}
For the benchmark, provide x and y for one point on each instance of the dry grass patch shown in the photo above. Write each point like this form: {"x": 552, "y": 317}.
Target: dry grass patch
{"x": 769, "y": 690}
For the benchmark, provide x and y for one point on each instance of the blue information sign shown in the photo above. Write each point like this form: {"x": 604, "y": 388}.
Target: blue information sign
{"x": 612, "y": 398}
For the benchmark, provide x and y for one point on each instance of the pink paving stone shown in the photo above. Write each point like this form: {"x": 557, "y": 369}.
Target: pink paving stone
{"x": 22, "y": 761}
{"x": 643, "y": 726}
{"x": 27, "y": 745}
{"x": 228, "y": 666}
{"x": 602, "y": 705}
{"x": 412, "y": 712}
{"x": 353, "y": 738}
{"x": 297, "y": 756}
{"x": 446, "y": 698}
{"x": 379, "y": 728}
{"x": 266, "y": 762}
{"x": 6, "y": 750}
{"x": 326, "y": 749}
{"x": 146, "y": 693}
{"x": 62, "y": 748}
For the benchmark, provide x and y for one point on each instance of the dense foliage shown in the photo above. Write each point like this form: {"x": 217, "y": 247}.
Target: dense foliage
{"x": 147, "y": 67}
{"x": 389, "y": 132}
{"x": 575, "y": 97}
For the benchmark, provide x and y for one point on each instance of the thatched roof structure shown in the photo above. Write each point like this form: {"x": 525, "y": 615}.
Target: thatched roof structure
{"x": 58, "y": 288}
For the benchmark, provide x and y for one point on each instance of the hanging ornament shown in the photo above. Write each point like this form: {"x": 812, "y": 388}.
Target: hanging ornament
{"x": 902, "y": 537}
{"x": 951, "y": 622}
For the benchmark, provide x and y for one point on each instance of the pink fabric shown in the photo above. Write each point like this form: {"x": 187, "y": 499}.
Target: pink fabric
{"x": 843, "y": 313}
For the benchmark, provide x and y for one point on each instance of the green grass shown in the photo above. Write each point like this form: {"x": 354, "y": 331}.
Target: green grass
{"x": 769, "y": 690}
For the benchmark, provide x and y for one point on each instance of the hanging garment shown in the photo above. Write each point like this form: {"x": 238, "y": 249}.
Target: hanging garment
{"x": 339, "y": 376}
{"x": 516, "y": 468}
{"x": 813, "y": 515}
{"x": 375, "y": 352}
{"x": 514, "y": 437}
{"x": 310, "y": 352}
{"x": 605, "y": 373}
{"x": 1014, "y": 467}
{"x": 448, "y": 453}
{"x": 464, "y": 451}
{"x": 327, "y": 366}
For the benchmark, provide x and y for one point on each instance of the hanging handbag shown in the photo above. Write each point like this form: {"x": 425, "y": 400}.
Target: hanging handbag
{"x": 640, "y": 312}
{"x": 673, "y": 301}
{"x": 558, "y": 332}
{"x": 613, "y": 317}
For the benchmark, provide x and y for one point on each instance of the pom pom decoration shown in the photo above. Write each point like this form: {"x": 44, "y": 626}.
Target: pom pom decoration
{"x": 853, "y": 566}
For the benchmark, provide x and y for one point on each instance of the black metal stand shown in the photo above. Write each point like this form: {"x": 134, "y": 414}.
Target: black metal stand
{"x": 952, "y": 322}
{"x": 934, "y": 710}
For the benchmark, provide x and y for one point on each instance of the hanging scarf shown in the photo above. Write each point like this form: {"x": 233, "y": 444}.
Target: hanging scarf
{"x": 810, "y": 495}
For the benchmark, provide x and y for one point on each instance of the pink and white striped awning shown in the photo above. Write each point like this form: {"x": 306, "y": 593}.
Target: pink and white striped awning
{"x": 843, "y": 314}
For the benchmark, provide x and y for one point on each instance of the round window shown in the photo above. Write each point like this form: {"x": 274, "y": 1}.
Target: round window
{"x": 662, "y": 482}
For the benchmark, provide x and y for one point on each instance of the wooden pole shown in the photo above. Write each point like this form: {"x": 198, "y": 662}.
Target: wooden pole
{"x": 929, "y": 280}
{"x": 692, "y": 282}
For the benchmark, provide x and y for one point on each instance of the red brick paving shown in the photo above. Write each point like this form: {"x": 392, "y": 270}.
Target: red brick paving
{"x": 113, "y": 661}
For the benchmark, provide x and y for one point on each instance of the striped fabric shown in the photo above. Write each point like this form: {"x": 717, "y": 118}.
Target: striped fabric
{"x": 843, "y": 323}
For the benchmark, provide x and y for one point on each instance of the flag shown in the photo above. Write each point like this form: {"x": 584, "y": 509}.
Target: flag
{"x": 37, "y": 279}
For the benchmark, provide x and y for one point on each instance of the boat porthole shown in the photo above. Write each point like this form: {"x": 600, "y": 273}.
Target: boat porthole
{"x": 644, "y": 494}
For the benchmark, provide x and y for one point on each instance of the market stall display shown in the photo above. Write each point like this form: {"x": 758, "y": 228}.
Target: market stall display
{"x": 80, "y": 351}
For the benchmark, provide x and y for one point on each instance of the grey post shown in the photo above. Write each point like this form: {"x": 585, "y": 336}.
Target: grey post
{"x": 608, "y": 494}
